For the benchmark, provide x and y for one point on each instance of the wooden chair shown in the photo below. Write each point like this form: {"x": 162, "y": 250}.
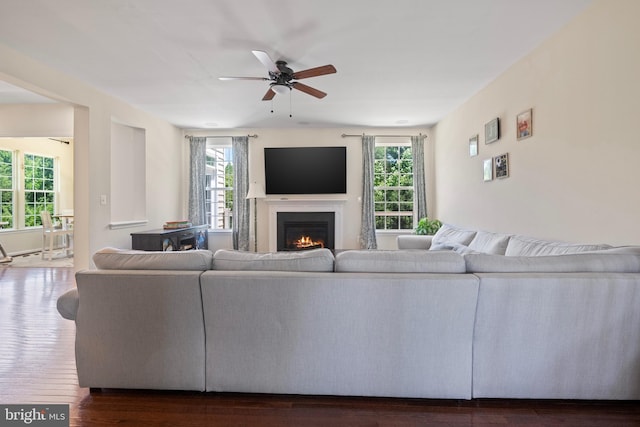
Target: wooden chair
{"x": 49, "y": 234}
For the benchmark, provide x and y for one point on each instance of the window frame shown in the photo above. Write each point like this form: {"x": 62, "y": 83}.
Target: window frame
{"x": 20, "y": 191}
{"x": 219, "y": 222}
{"x": 49, "y": 204}
{"x": 404, "y": 143}
{"x": 12, "y": 190}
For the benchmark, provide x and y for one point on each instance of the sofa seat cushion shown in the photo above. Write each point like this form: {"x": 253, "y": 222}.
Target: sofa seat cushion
{"x": 568, "y": 263}
{"x": 527, "y": 246}
{"x": 125, "y": 259}
{"x": 400, "y": 261}
{"x": 490, "y": 243}
{"x": 311, "y": 260}
{"x": 448, "y": 236}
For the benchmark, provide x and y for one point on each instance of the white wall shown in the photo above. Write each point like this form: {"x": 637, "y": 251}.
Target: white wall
{"x": 313, "y": 137}
{"x": 94, "y": 112}
{"x": 30, "y": 120}
{"x": 576, "y": 178}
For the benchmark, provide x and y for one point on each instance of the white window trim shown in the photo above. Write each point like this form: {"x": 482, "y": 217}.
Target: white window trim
{"x": 396, "y": 142}
{"x": 222, "y": 142}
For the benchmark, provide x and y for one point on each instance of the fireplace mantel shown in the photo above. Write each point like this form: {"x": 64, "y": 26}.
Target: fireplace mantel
{"x": 290, "y": 204}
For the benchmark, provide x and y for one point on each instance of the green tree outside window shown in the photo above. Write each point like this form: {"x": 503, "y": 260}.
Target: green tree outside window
{"x": 393, "y": 187}
{"x": 6, "y": 188}
{"x": 39, "y": 187}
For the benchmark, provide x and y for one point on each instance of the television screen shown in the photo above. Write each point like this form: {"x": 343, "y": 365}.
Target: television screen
{"x": 305, "y": 170}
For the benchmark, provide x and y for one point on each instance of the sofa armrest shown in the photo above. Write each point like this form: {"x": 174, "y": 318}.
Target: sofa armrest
{"x": 413, "y": 241}
{"x": 68, "y": 304}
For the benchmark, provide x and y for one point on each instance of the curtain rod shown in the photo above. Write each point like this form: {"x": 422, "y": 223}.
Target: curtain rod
{"x": 344, "y": 135}
{"x": 222, "y": 136}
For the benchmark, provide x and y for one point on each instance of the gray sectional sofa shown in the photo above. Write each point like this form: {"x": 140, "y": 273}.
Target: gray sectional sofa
{"x": 471, "y": 315}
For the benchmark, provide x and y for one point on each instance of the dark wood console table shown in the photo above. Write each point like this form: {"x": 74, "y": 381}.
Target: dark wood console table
{"x": 180, "y": 239}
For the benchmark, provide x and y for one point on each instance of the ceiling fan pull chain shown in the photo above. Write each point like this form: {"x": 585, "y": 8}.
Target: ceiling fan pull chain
{"x": 290, "y": 108}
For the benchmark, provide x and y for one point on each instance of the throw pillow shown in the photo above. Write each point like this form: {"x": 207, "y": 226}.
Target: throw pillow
{"x": 490, "y": 243}
{"x": 448, "y": 235}
{"x": 527, "y": 246}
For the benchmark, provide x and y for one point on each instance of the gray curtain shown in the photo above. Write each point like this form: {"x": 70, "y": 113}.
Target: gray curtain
{"x": 368, "y": 223}
{"x": 241, "y": 206}
{"x": 419, "y": 185}
{"x": 197, "y": 180}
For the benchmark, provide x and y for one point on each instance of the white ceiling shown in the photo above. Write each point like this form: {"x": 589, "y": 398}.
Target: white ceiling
{"x": 399, "y": 63}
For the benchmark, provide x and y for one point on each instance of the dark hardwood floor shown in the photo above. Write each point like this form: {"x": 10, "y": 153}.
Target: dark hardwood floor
{"x": 37, "y": 365}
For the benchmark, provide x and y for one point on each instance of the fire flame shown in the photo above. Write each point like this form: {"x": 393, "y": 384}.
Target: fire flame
{"x": 307, "y": 242}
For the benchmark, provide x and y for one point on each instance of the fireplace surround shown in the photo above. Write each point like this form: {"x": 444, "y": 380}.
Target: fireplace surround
{"x": 308, "y": 205}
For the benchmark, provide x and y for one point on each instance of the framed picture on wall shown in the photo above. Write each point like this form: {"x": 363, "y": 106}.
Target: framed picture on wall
{"x": 473, "y": 145}
{"x": 524, "y": 124}
{"x": 502, "y": 165}
{"x": 488, "y": 169}
{"x": 492, "y": 131}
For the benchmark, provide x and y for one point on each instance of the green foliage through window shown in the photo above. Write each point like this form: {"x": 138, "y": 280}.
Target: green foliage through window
{"x": 393, "y": 187}
{"x": 39, "y": 188}
{"x": 6, "y": 188}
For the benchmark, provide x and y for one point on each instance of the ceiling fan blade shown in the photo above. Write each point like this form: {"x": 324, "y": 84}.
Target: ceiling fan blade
{"x": 308, "y": 90}
{"x": 313, "y": 72}
{"x": 266, "y": 61}
{"x": 242, "y": 78}
{"x": 269, "y": 95}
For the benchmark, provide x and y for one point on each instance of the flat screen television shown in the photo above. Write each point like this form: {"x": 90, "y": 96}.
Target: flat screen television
{"x": 305, "y": 170}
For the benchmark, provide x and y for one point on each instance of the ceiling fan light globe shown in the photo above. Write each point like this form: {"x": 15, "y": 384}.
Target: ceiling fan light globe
{"x": 280, "y": 89}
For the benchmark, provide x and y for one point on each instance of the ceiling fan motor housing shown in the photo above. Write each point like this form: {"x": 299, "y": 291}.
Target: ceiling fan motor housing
{"x": 285, "y": 75}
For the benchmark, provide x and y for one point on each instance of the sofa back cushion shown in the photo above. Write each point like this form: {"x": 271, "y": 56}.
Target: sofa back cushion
{"x": 527, "y": 246}
{"x": 448, "y": 236}
{"x": 568, "y": 263}
{"x": 125, "y": 259}
{"x": 311, "y": 260}
{"x": 399, "y": 261}
{"x": 413, "y": 241}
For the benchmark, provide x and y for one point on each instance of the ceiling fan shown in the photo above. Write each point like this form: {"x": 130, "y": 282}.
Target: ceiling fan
{"x": 282, "y": 78}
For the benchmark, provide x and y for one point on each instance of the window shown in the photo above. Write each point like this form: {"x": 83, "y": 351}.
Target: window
{"x": 7, "y": 192}
{"x": 219, "y": 185}
{"x": 393, "y": 186}
{"x": 30, "y": 180}
{"x": 39, "y": 188}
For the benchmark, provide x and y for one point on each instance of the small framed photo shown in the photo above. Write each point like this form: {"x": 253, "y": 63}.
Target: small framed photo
{"x": 473, "y": 145}
{"x": 524, "y": 124}
{"x": 492, "y": 131}
{"x": 502, "y": 166}
{"x": 488, "y": 169}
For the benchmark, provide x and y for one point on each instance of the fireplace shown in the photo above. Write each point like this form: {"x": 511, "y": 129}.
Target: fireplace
{"x": 324, "y": 205}
{"x": 298, "y": 231}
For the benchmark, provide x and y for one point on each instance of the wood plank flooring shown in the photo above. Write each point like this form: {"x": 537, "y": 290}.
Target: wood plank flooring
{"x": 37, "y": 365}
